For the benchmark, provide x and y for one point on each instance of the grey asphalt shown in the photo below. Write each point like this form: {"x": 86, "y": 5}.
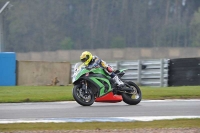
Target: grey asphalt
{"x": 74, "y": 110}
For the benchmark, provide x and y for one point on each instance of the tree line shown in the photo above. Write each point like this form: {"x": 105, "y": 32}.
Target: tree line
{"x": 49, "y": 25}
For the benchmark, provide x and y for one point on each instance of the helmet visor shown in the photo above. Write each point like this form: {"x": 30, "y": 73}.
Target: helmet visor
{"x": 84, "y": 60}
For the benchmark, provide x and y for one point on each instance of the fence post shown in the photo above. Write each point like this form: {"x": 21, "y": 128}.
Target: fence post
{"x": 117, "y": 65}
{"x": 139, "y": 72}
{"x": 161, "y": 72}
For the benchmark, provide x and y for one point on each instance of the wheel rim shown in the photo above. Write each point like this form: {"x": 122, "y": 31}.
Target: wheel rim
{"x": 135, "y": 94}
{"x": 84, "y": 97}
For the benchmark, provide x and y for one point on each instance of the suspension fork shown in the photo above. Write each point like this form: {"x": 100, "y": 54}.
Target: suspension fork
{"x": 84, "y": 86}
{"x": 134, "y": 89}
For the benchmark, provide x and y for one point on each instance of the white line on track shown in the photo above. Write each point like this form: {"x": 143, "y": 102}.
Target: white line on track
{"x": 145, "y": 101}
{"x": 98, "y": 119}
{"x": 172, "y": 100}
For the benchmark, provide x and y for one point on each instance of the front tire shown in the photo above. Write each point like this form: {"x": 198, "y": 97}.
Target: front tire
{"x": 82, "y": 98}
{"x": 128, "y": 98}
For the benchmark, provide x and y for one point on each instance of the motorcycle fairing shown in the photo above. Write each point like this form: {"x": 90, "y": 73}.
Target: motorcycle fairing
{"x": 84, "y": 71}
{"x": 101, "y": 85}
{"x": 104, "y": 94}
{"x": 109, "y": 97}
{"x": 103, "y": 88}
{"x": 101, "y": 81}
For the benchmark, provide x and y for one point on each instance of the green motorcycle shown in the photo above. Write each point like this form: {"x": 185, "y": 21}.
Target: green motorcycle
{"x": 95, "y": 85}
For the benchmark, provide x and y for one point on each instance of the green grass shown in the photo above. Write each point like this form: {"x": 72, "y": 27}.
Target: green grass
{"x": 35, "y": 93}
{"x": 179, "y": 123}
{"x": 183, "y": 92}
{"x": 64, "y": 93}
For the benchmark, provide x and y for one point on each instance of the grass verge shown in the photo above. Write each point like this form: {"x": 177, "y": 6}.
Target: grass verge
{"x": 179, "y": 123}
{"x": 15, "y": 94}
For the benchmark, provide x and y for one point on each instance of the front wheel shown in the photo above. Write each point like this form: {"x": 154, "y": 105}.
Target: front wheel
{"x": 81, "y": 97}
{"x": 134, "y": 97}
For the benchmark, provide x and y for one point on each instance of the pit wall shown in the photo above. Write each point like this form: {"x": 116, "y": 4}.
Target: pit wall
{"x": 112, "y": 54}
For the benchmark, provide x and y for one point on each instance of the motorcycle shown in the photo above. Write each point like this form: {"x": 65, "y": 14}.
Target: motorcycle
{"x": 93, "y": 84}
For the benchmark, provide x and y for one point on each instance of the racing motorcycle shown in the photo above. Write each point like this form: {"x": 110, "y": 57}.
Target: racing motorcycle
{"x": 93, "y": 84}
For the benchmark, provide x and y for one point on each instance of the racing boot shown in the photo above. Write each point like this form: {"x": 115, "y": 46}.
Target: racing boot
{"x": 118, "y": 81}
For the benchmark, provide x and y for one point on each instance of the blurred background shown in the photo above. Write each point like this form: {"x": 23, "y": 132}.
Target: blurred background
{"x": 52, "y": 25}
{"x": 114, "y": 30}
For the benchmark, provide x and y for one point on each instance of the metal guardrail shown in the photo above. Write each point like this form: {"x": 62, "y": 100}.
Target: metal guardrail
{"x": 147, "y": 72}
{"x": 144, "y": 72}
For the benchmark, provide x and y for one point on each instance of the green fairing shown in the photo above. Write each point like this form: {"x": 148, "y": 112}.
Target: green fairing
{"x": 94, "y": 70}
{"x": 82, "y": 72}
{"x": 102, "y": 90}
{"x": 122, "y": 70}
{"x": 96, "y": 79}
{"x": 99, "y": 70}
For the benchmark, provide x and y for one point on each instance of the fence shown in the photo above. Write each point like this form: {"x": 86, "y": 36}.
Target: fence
{"x": 143, "y": 72}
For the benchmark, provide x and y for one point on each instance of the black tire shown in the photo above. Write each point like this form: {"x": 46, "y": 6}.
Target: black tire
{"x": 81, "y": 101}
{"x": 127, "y": 98}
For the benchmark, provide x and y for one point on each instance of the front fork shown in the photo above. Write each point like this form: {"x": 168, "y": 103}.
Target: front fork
{"x": 84, "y": 86}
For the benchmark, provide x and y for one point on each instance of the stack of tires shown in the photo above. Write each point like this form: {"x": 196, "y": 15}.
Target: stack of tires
{"x": 184, "y": 72}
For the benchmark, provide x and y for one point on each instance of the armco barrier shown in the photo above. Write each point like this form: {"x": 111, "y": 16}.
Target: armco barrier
{"x": 143, "y": 72}
{"x": 146, "y": 72}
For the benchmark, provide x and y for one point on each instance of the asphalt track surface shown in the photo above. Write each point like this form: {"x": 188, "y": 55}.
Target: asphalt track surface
{"x": 73, "y": 112}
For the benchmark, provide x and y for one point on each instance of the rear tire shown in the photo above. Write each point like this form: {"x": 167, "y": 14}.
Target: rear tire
{"x": 127, "y": 98}
{"x": 78, "y": 96}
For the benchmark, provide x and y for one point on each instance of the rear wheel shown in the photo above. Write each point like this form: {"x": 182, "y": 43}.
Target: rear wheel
{"x": 82, "y": 97}
{"x": 133, "y": 97}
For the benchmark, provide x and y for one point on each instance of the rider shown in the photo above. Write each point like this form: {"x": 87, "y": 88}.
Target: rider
{"x": 89, "y": 60}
